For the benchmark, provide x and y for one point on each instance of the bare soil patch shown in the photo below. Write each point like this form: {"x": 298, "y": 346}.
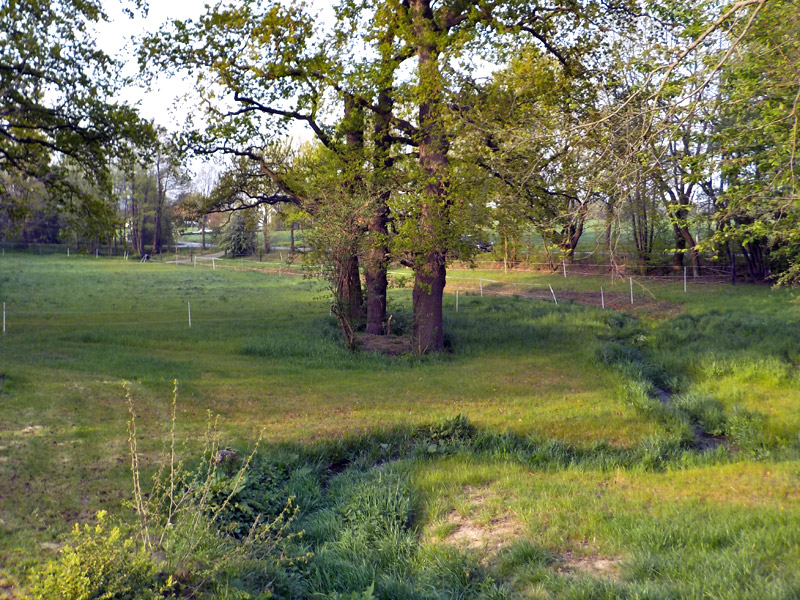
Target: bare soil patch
{"x": 391, "y": 345}
{"x": 593, "y": 565}
{"x": 485, "y": 536}
{"x": 490, "y": 537}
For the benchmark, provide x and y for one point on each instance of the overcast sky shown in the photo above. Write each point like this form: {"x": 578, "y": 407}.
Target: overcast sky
{"x": 158, "y": 103}
{"x": 115, "y": 38}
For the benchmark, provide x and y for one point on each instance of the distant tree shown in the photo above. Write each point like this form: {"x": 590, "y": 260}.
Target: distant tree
{"x": 57, "y": 112}
{"x": 239, "y": 234}
{"x": 756, "y": 131}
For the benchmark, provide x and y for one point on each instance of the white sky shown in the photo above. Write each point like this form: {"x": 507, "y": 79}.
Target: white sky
{"x": 159, "y": 102}
{"x": 115, "y": 38}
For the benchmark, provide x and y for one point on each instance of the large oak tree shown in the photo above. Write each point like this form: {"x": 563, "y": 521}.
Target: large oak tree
{"x": 262, "y": 65}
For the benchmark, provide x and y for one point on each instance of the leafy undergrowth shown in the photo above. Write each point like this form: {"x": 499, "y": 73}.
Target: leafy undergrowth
{"x": 456, "y": 511}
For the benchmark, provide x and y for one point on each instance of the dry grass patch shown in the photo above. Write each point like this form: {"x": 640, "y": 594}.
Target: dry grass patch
{"x": 592, "y": 565}
{"x": 488, "y": 537}
{"x": 480, "y": 523}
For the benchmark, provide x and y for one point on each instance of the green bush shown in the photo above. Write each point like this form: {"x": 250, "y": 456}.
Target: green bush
{"x": 100, "y": 562}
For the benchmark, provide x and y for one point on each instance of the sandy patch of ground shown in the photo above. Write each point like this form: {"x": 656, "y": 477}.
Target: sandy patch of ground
{"x": 489, "y": 538}
{"x": 593, "y": 565}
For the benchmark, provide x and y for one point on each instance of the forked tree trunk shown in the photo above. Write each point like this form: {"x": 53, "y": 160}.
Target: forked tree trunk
{"x": 689, "y": 242}
{"x": 683, "y": 236}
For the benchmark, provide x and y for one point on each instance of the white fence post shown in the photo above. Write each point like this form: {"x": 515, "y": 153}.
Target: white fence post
{"x": 602, "y": 299}
{"x": 189, "y": 305}
{"x": 553, "y": 293}
{"x": 631, "y": 279}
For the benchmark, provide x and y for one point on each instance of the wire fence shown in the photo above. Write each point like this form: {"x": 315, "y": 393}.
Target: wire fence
{"x": 595, "y": 264}
{"x": 622, "y": 293}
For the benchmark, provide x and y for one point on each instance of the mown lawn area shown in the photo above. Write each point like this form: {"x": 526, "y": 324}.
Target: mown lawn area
{"x": 557, "y": 451}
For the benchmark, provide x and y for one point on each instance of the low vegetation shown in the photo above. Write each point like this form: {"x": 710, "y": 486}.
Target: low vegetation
{"x": 556, "y": 451}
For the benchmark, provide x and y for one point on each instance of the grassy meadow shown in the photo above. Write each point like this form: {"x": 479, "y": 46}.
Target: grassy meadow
{"x": 555, "y": 452}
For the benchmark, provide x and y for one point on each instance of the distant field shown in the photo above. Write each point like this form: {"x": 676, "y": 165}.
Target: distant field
{"x": 577, "y": 481}
{"x": 277, "y": 238}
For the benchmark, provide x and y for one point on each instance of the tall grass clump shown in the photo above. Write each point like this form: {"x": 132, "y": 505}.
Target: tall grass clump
{"x": 182, "y": 543}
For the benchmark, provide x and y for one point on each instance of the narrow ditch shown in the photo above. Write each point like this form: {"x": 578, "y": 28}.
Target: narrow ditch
{"x": 702, "y": 439}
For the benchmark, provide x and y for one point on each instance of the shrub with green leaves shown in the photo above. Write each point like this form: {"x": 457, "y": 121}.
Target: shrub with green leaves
{"x": 101, "y": 561}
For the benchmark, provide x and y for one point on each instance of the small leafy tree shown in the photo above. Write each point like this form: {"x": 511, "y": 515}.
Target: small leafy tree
{"x": 343, "y": 202}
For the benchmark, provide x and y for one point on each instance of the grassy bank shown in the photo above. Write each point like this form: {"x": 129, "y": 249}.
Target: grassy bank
{"x": 581, "y": 483}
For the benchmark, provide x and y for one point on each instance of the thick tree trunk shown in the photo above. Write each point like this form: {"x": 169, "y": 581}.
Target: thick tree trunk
{"x": 377, "y": 259}
{"x": 689, "y": 242}
{"x": 157, "y": 230}
{"x": 348, "y": 290}
{"x": 430, "y": 271}
{"x": 680, "y": 249}
{"x": 571, "y": 235}
{"x": 428, "y": 292}
{"x": 375, "y": 276}
{"x": 680, "y": 224}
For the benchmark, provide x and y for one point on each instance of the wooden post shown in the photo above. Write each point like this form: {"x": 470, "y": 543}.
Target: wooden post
{"x": 480, "y": 283}
{"x": 684, "y": 279}
{"x": 564, "y": 267}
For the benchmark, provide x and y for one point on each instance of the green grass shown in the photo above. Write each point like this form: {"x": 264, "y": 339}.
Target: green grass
{"x": 573, "y": 462}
